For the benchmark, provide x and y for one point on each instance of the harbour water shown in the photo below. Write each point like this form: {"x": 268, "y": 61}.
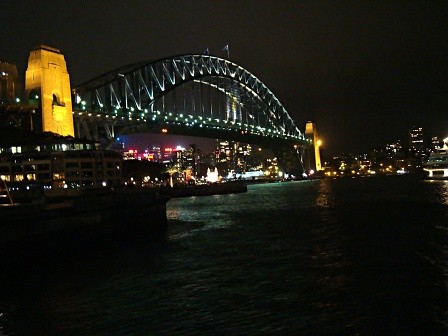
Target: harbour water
{"x": 362, "y": 256}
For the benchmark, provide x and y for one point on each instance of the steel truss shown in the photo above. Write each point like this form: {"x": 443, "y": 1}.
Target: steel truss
{"x": 148, "y": 93}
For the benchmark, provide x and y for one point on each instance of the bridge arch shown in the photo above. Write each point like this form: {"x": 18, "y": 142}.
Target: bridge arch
{"x": 132, "y": 95}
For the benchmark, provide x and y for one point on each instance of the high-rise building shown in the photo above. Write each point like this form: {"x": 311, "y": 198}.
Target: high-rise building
{"x": 232, "y": 155}
{"x": 416, "y": 142}
{"x": 436, "y": 143}
{"x": 394, "y": 149}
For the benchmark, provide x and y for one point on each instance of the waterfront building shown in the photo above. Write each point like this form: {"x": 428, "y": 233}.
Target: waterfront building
{"x": 53, "y": 161}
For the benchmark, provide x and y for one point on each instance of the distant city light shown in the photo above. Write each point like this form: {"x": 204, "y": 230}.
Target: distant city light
{"x": 212, "y": 176}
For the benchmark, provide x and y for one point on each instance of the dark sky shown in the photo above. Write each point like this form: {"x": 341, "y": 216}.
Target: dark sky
{"x": 363, "y": 71}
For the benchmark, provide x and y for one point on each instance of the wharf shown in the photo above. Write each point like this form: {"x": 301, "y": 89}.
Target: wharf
{"x": 83, "y": 213}
{"x": 73, "y": 215}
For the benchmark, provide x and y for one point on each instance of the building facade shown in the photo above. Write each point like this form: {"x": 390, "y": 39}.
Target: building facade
{"x": 416, "y": 140}
{"x": 65, "y": 163}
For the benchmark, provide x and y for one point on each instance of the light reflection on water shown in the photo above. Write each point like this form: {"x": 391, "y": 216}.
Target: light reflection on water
{"x": 324, "y": 257}
{"x": 444, "y": 192}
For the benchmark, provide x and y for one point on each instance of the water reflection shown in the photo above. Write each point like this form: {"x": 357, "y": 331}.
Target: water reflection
{"x": 325, "y": 195}
{"x": 323, "y": 257}
{"x": 444, "y": 192}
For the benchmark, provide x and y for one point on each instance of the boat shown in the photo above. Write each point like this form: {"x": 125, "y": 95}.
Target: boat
{"x": 437, "y": 164}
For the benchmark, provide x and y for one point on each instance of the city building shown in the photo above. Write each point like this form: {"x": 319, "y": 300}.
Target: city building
{"x": 394, "y": 149}
{"x": 57, "y": 162}
{"x": 154, "y": 154}
{"x": 233, "y": 157}
{"x": 436, "y": 143}
{"x": 416, "y": 140}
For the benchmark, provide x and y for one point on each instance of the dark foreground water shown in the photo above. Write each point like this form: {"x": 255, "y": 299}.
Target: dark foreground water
{"x": 366, "y": 256}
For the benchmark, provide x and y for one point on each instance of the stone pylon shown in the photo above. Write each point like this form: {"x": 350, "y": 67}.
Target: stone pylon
{"x": 47, "y": 85}
{"x": 313, "y": 154}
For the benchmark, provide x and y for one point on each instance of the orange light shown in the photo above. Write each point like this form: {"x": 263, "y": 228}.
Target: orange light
{"x": 164, "y": 130}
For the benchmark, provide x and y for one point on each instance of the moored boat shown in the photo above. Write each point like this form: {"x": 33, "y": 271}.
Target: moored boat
{"x": 437, "y": 164}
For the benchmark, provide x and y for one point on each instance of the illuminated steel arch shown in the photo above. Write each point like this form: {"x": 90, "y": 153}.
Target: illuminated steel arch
{"x": 220, "y": 95}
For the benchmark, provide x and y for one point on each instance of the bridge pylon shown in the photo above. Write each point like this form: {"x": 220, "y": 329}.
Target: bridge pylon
{"x": 312, "y": 154}
{"x": 47, "y": 86}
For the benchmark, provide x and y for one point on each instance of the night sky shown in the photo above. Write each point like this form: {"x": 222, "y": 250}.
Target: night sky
{"x": 363, "y": 71}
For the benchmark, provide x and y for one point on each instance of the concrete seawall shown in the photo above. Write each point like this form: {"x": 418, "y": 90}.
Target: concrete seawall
{"x": 74, "y": 217}
{"x": 92, "y": 213}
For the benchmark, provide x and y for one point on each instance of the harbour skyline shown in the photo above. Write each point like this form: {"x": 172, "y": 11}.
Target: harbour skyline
{"x": 363, "y": 72}
{"x": 94, "y": 242}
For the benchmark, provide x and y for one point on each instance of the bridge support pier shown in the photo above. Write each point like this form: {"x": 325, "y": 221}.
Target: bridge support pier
{"x": 312, "y": 154}
{"x": 47, "y": 85}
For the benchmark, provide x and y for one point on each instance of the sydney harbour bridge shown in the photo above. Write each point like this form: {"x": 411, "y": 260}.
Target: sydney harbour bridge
{"x": 195, "y": 95}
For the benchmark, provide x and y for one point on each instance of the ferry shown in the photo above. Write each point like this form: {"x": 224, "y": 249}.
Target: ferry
{"x": 437, "y": 164}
